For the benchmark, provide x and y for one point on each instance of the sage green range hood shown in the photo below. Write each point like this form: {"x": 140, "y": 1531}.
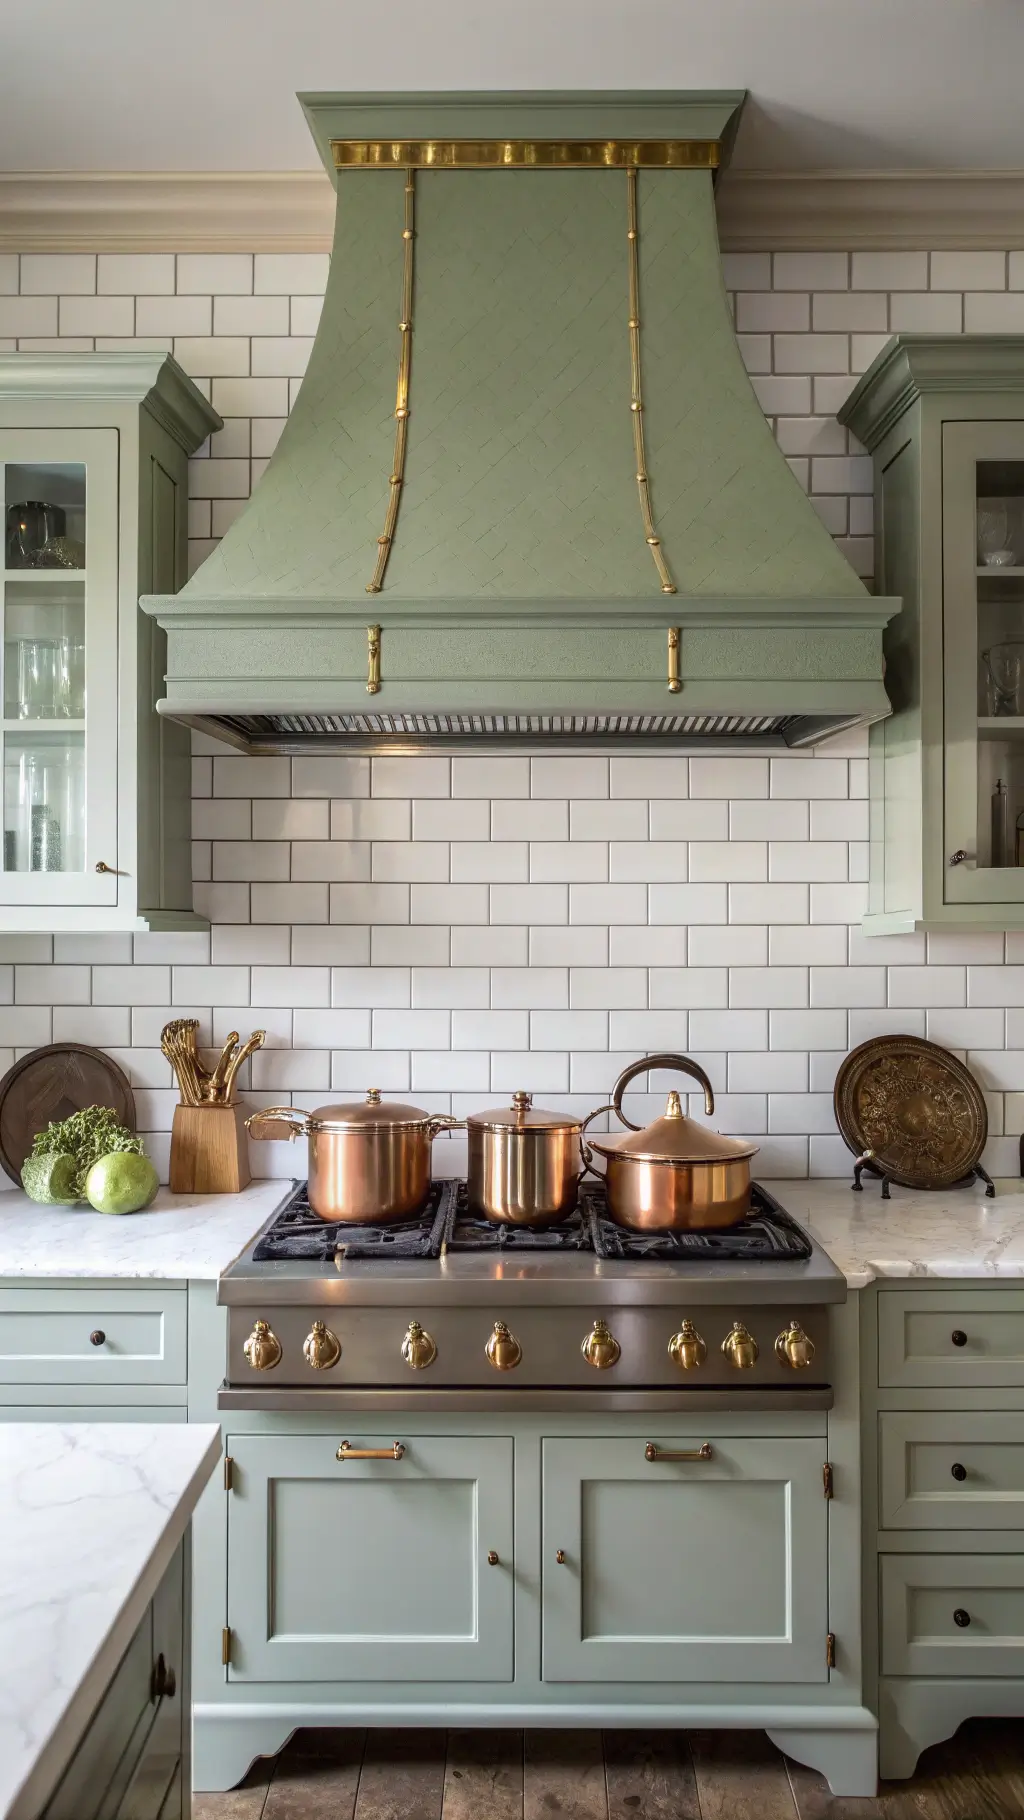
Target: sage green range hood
{"x": 526, "y": 494}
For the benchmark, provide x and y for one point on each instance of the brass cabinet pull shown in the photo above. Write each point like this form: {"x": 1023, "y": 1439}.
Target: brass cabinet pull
{"x": 347, "y": 1452}
{"x": 97, "y": 1337}
{"x": 262, "y": 1349}
{"x": 419, "y": 1349}
{"x": 503, "y": 1350}
{"x": 687, "y": 1348}
{"x": 740, "y": 1347}
{"x": 321, "y": 1348}
{"x": 654, "y": 1453}
{"x": 492, "y": 1559}
{"x": 600, "y": 1348}
{"x": 674, "y": 683}
{"x": 115, "y": 872}
{"x": 560, "y": 1556}
{"x": 957, "y": 858}
{"x": 959, "y": 1472}
{"x": 373, "y": 660}
{"x": 794, "y": 1348}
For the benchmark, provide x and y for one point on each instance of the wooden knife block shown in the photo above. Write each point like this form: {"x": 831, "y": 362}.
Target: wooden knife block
{"x": 209, "y": 1150}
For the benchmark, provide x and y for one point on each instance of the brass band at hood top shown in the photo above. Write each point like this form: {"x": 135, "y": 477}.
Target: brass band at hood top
{"x": 525, "y": 154}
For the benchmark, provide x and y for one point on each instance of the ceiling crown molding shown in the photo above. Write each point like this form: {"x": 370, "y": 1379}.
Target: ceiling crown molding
{"x": 293, "y": 211}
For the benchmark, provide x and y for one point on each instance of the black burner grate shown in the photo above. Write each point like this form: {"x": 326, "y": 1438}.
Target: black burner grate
{"x": 768, "y": 1233}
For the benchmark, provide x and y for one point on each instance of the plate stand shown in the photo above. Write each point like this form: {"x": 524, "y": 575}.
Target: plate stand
{"x": 870, "y": 1162}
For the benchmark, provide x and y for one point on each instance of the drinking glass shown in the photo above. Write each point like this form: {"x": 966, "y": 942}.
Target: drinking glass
{"x": 1003, "y": 663}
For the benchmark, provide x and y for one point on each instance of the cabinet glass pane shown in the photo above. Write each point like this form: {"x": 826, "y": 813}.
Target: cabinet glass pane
{"x": 44, "y": 802}
{"x": 44, "y": 649}
{"x": 45, "y": 515}
{"x": 999, "y": 568}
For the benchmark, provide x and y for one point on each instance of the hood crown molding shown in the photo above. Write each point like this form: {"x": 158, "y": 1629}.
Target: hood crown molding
{"x": 293, "y": 211}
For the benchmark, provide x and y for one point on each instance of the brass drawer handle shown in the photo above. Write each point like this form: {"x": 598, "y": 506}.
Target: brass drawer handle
{"x": 961, "y": 1618}
{"x": 654, "y": 1453}
{"x": 959, "y": 1472}
{"x": 347, "y": 1452}
{"x": 97, "y": 1337}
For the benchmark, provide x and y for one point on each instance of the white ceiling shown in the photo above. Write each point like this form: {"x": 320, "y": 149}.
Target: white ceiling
{"x": 209, "y": 85}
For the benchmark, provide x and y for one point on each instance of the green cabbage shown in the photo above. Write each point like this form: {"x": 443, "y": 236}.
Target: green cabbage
{"x": 85, "y": 1137}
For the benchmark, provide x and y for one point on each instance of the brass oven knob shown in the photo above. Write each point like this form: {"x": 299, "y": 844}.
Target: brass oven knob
{"x": 686, "y": 1348}
{"x": 600, "y": 1348}
{"x": 503, "y": 1349}
{"x": 794, "y": 1348}
{"x": 740, "y": 1347}
{"x": 418, "y": 1348}
{"x": 321, "y": 1348}
{"x": 263, "y": 1348}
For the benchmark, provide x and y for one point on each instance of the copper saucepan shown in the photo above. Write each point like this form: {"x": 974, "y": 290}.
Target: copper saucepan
{"x": 674, "y": 1174}
{"x": 368, "y": 1163}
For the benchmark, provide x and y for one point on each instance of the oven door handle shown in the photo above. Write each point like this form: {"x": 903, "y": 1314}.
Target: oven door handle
{"x": 347, "y": 1452}
{"x": 654, "y": 1453}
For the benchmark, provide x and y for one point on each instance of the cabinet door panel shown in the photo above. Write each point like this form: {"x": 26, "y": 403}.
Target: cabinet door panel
{"x": 708, "y": 1570}
{"x": 370, "y": 1569}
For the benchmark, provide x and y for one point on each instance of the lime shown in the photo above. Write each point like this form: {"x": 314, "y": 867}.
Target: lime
{"x": 121, "y": 1183}
{"x": 50, "y": 1179}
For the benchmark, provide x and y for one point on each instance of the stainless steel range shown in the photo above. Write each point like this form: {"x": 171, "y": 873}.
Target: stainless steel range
{"x": 455, "y": 1313}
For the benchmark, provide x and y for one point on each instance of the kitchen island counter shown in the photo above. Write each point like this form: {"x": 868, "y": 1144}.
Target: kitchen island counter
{"x": 181, "y": 1237}
{"x": 91, "y": 1515}
{"x": 945, "y": 1235}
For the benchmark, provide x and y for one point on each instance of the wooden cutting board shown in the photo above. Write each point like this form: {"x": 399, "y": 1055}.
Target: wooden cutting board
{"x": 51, "y": 1084}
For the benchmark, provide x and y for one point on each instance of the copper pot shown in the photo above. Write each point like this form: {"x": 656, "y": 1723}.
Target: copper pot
{"x": 524, "y": 1163}
{"x": 368, "y": 1163}
{"x": 674, "y": 1174}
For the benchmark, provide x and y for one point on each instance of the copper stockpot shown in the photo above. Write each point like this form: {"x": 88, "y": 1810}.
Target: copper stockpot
{"x": 524, "y": 1163}
{"x": 368, "y": 1163}
{"x": 674, "y": 1174}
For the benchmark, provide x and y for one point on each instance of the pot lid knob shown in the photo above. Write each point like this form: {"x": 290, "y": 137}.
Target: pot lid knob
{"x": 373, "y": 1096}
{"x": 673, "y": 1106}
{"x": 522, "y": 1101}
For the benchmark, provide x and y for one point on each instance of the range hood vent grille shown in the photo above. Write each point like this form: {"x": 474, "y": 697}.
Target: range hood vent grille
{"x": 290, "y": 732}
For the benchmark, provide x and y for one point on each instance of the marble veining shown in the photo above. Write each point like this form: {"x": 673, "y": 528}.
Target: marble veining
{"x": 181, "y": 1236}
{"x": 90, "y": 1515}
{"x": 955, "y": 1233}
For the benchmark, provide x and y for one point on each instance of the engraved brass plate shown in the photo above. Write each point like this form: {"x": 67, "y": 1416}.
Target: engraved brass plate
{"x": 916, "y": 1108}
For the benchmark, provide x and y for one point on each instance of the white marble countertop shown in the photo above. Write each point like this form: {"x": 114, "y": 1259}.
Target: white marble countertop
{"x": 956, "y": 1233}
{"x": 181, "y": 1235}
{"x": 90, "y": 1516}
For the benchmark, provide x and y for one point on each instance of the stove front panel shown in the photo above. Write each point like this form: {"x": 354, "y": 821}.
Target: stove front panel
{"x": 550, "y": 1341}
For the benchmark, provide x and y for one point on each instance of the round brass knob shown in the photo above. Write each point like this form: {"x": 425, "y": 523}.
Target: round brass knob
{"x": 793, "y": 1347}
{"x": 263, "y": 1348}
{"x": 97, "y": 1337}
{"x": 560, "y": 1556}
{"x": 740, "y": 1347}
{"x": 686, "y": 1348}
{"x": 492, "y": 1559}
{"x": 503, "y": 1349}
{"x": 321, "y": 1348}
{"x": 418, "y": 1348}
{"x": 600, "y": 1348}
{"x": 959, "y": 1472}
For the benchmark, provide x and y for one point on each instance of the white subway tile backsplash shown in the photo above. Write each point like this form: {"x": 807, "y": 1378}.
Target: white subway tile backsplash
{"x": 808, "y": 1030}
{"x": 259, "y": 860}
{"x": 411, "y": 1029}
{"x": 729, "y": 777}
{"x": 578, "y": 861}
{"x": 529, "y": 988}
{"x": 346, "y": 946}
{"x": 208, "y": 985}
{"x": 767, "y": 986}
{"x": 493, "y": 945}
{"x": 525, "y": 904}
{"x": 804, "y": 946}
{"x": 401, "y": 945}
{"x": 927, "y": 986}
{"x": 847, "y": 986}
{"x": 728, "y": 1030}
{"x": 650, "y": 862}
{"x": 495, "y": 1029}
{"x": 579, "y": 945}
{"x": 607, "y": 988}
{"x": 369, "y": 903}
{"x": 408, "y": 861}
{"x": 775, "y": 1071}
{"x": 355, "y": 818}
{"x": 352, "y": 1070}
{"x": 698, "y": 818}
{"x": 729, "y": 861}
{"x": 685, "y": 988}
{"x": 450, "y": 987}
{"x": 716, "y": 945}
{"x": 377, "y": 987}
{"x": 838, "y": 903}
{"x": 104, "y": 1026}
{"x": 638, "y": 777}
{"x": 889, "y": 272}
{"x": 775, "y": 903}
{"x": 620, "y": 819}
{"x": 439, "y": 818}
{"x": 513, "y": 819}
{"x": 812, "y": 860}
{"x": 995, "y": 986}
{"x": 979, "y": 1028}
{"x": 130, "y": 986}
{"x": 581, "y": 776}
{"x": 427, "y": 775}
{"x": 705, "y": 903}
{"x": 620, "y": 902}
{"x": 298, "y": 903}
{"x": 770, "y": 821}
{"x": 630, "y": 944}
{"x": 489, "y": 775}
{"x": 867, "y": 1024}
{"x": 454, "y": 1069}
{"x": 647, "y": 1032}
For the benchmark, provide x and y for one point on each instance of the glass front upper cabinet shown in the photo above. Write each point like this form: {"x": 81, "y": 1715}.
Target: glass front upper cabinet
{"x": 983, "y": 641}
{"x": 58, "y": 665}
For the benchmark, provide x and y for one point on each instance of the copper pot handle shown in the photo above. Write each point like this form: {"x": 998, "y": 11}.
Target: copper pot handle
{"x": 586, "y": 1154}
{"x": 297, "y": 1122}
{"x": 443, "y": 1121}
{"x": 680, "y": 1063}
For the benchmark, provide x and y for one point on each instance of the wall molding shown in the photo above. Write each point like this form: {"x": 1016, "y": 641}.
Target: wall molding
{"x": 293, "y": 211}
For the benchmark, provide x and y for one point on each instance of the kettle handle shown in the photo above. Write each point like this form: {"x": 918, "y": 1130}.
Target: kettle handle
{"x": 680, "y": 1063}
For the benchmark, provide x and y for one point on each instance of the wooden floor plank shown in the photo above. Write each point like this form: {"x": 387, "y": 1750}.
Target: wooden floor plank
{"x": 740, "y": 1776}
{"x": 402, "y": 1777}
{"x": 564, "y": 1774}
{"x": 649, "y": 1776}
{"x": 815, "y": 1800}
{"x": 484, "y": 1776}
{"x": 242, "y": 1803}
{"x": 976, "y": 1775}
{"x": 316, "y": 1777}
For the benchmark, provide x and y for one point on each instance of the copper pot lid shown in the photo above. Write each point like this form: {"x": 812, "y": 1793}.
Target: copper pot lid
{"x": 371, "y": 1114}
{"x": 675, "y": 1138}
{"x": 523, "y": 1115}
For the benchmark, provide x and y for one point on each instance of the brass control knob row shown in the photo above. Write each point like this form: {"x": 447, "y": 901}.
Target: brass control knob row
{"x": 793, "y": 1347}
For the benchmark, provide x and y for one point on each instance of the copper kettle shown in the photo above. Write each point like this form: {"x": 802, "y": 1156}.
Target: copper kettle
{"x": 674, "y": 1174}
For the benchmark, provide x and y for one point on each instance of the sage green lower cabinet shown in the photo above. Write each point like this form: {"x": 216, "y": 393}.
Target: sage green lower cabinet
{"x": 92, "y": 1336}
{"x": 706, "y": 1569}
{"x": 943, "y": 1408}
{"x": 370, "y": 1570}
{"x": 129, "y": 1763}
